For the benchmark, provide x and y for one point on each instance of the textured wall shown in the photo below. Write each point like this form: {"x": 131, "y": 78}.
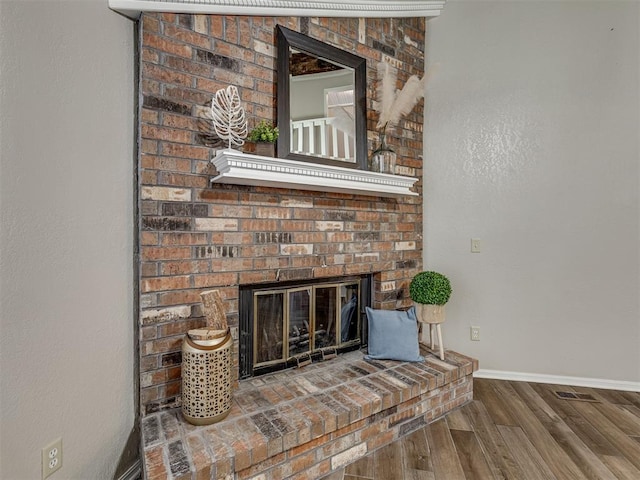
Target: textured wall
{"x": 196, "y": 237}
{"x": 66, "y": 236}
{"x": 532, "y": 146}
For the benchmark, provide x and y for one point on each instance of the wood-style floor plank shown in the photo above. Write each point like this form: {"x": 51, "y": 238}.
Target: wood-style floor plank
{"x": 446, "y": 464}
{"x": 337, "y": 475}
{"x": 632, "y": 397}
{"x": 578, "y": 424}
{"x": 417, "y": 458}
{"x": 623, "y": 443}
{"x": 607, "y": 396}
{"x": 525, "y": 454}
{"x": 388, "y": 461}
{"x": 484, "y": 392}
{"x": 555, "y": 457}
{"x": 621, "y": 417}
{"x": 517, "y": 431}
{"x": 619, "y": 466}
{"x": 362, "y": 468}
{"x": 499, "y": 458}
{"x": 633, "y": 409}
{"x": 470, "y": 455}
{"x": 586, "y": 460}
{"x": 457, "y": 420}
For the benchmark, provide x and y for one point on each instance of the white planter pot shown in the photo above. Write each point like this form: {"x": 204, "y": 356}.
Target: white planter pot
{"x": 429, "y": 313}
{"x": 432, "y": 315}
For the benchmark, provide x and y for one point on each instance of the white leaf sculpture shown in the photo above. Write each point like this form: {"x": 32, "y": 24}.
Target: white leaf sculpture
{"x": 227, "y": 116}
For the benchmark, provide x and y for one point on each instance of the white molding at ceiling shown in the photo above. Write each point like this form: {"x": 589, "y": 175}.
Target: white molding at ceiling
{"x": 285, "y": 8}
{"x": 239, "y": 168}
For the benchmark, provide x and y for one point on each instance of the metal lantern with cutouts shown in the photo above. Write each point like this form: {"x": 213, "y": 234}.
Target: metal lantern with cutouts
{"x": 206, "y": 378}
{"x": 206, "y": 366}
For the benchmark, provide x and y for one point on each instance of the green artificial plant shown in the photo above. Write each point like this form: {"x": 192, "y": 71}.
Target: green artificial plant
{"x": 264, "y": 132}
{"x": 430, "y": 288}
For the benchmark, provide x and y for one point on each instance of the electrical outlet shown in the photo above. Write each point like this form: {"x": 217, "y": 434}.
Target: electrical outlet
{"x": 52, "y": 458}
{"x": 475, "y": 334}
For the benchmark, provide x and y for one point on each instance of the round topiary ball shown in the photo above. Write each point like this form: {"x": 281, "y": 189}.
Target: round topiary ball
{"x": 430, "y": 288}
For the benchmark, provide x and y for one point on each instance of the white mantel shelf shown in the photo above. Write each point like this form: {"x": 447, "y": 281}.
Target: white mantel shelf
{"x": 286, "y": 8}
{"x": 239, "y": 168}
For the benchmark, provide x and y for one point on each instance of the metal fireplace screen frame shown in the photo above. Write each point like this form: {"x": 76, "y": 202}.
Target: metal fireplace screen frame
{"x": 290, "y": 325}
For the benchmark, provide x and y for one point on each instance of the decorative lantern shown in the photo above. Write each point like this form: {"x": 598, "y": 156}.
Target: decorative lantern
{"x": 206, "y": 376}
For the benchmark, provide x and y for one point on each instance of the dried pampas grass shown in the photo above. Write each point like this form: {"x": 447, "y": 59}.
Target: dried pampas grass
{"x": 392, "y": 104}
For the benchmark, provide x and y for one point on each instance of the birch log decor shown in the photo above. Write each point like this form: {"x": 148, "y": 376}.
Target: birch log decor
{"x": 214, "y": 310}
{"x": 228, "y": 117}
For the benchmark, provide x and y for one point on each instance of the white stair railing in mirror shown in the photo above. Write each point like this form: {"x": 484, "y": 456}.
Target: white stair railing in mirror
{"x": 319, "y": 137}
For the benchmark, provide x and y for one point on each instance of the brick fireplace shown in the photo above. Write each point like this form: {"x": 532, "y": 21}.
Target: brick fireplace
{"x": 196, "y": 236}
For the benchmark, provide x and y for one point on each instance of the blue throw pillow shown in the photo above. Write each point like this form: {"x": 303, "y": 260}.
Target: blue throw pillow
{"x": 393, "y": 335}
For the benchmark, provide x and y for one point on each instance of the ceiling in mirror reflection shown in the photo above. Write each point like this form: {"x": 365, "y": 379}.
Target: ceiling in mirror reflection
{"x": 301, "y": 63}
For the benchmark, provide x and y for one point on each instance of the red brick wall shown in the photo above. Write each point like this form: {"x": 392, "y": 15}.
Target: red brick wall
{"x": 194, "y": 236}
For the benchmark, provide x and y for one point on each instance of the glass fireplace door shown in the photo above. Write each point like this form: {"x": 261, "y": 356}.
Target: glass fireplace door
{"x": 268, "y": 325}
{"x": 299, "y": 321}
{"x": 326, "y": 319}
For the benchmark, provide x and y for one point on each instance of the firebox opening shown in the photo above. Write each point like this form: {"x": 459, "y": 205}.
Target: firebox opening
{"x": 291, "y": 324}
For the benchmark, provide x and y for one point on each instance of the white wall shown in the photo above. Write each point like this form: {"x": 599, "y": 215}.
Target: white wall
{"x": 531, "y": 144}
{"x": 66, "y": 236}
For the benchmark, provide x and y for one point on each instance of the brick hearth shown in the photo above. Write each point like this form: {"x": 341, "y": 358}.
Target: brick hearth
{"x": 303, "y": 423}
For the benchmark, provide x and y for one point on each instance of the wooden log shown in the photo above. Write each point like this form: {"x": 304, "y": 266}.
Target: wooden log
{"x": 214, "y": 310}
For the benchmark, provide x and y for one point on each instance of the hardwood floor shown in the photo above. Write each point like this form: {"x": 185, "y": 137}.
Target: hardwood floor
{"x": 520, "y": 431}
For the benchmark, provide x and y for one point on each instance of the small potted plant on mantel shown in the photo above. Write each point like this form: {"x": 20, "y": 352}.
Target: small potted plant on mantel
{"x": 262, "y": 139}
{"x": 430, "y": 291}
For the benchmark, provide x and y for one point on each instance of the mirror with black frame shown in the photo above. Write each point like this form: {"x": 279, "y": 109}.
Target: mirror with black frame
{"x": 321, "y": 102}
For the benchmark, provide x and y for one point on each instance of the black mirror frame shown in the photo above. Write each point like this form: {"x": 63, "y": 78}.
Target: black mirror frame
{"x": 288, "y": 38}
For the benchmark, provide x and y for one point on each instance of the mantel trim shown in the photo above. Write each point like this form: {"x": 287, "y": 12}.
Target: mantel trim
{"x": 235, "y": 167}
{"x": 286, "y": 8}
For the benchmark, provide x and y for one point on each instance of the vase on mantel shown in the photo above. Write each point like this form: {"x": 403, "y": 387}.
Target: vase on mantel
{"x": 383, "y": 158}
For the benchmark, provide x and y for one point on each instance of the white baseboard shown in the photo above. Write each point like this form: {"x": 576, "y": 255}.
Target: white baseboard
{"x": 559, "y": 380}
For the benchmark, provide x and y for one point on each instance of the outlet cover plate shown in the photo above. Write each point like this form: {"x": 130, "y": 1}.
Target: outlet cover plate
{"x": 475, "y": 334}
{"x": 52, "y": 458}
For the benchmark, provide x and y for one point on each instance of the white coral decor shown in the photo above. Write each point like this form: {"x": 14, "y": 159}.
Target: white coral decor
{"x": 227, "y": 116}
